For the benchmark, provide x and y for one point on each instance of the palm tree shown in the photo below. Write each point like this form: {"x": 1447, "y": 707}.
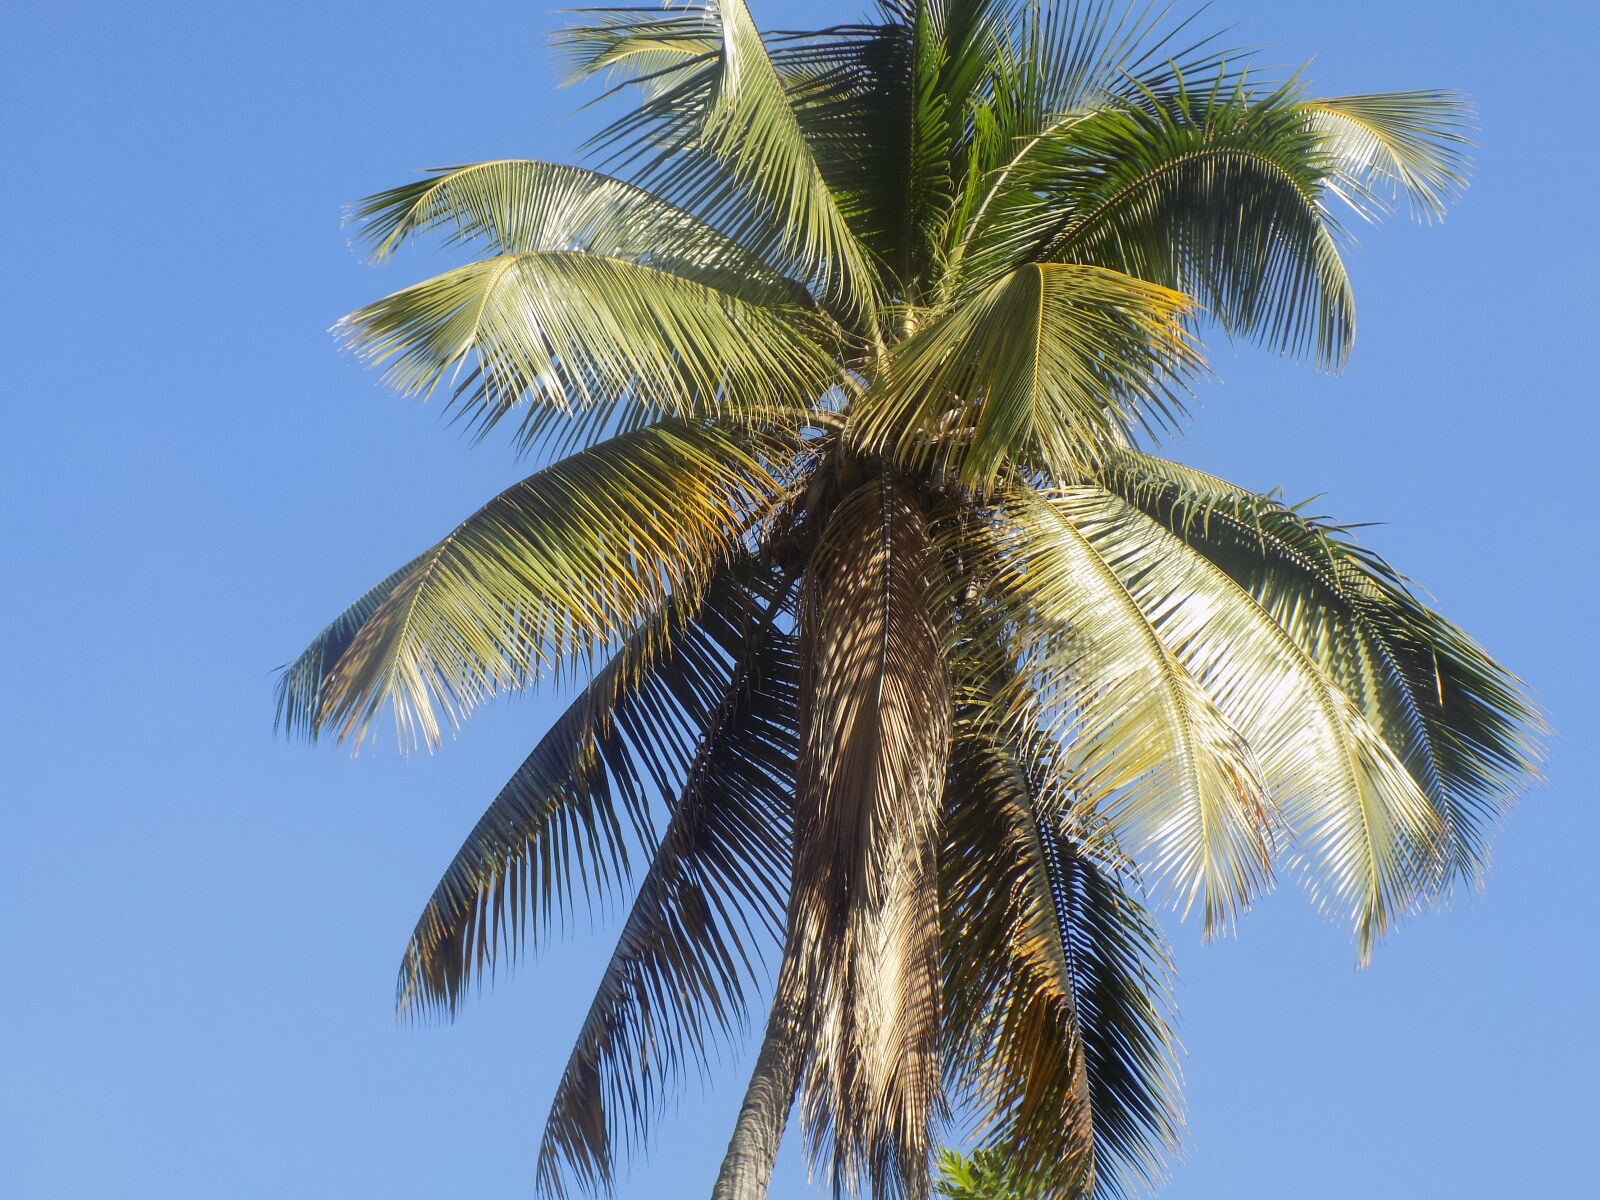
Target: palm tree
{"x": 910, "y": 660}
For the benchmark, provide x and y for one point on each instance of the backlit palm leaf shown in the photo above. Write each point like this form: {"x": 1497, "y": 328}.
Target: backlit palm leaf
{"x": 1410, "y": 144}
{"x": 1364, "y": 827}
{"x": 1453, "y": 715}
{"x": 1153, "y": 745}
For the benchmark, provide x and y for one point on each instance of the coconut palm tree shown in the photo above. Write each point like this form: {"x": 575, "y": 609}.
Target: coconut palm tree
{"x": 910, "y": 664}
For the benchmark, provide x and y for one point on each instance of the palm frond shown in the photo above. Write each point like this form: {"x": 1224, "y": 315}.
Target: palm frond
{"x": 565, "y": 820}
{"x": 302, "y": 684}
{"x": 1366, "y": 834}
{"x": 716, "y": 133}
{"x": 1216, "y": 194}
{"x": 524, "y": 206}
{"x": 1094, "y": 54}
{"x": 1151, "y": 749}
{"x": 572, "y": 558}
{"x": 1051, "y": 368}
{"x": 1390, "y": 145}
{"x": 566, "y": 332}
{"x": 1055, "y": 64}
{"x": 1056, "y": 980}
{"x": 874, "y": 741}
{"x": 1457, "y": 719}
{"x": 714, "y": 892}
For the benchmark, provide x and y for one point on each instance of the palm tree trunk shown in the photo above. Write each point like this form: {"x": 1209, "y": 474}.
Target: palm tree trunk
{"x": 747, "y": 1166}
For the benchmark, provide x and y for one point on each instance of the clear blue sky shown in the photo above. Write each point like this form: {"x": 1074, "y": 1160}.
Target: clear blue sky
{"x": 201, "y": 923}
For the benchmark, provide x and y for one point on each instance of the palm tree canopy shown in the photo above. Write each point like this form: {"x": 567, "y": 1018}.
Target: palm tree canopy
{"x": 911, "y": 666}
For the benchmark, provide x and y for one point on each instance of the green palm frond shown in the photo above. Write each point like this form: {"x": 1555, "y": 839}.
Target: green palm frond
{"x": 874, "y": 741}
{"x": 716, "y": 133}
{"x": 1396, "y": 144}
{"x": 569, "y": 560}
{"x": 715, "y": 891}
{"x": 1455, "y": 717}
{"x": 1218, "y": 194}
{"x": 565, "y": 332}
{"x": 1053, "y": 367}
{"x": 524, "y": 206}
{"x": 1052, "y": 66}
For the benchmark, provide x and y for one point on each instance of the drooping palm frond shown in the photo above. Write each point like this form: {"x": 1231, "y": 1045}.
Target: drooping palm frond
{"x": 874, "y": 741}
{"x": 1396, "y": 144}
{"x": 1057, "y": 980}
{"x": 1455, "y": 717}
{"x": 1152, "y": 747}
{"x": 570, "y": 559}
{"x": 1215, "y": 193}
{"x": 567, "y": 332}
{"x": 714, "y": 892}
{"x": 1053, "y": 367}
{"x": 1366, "y": 834}
{"x": 302, "y": 684}
{"x": 563, "y": 824}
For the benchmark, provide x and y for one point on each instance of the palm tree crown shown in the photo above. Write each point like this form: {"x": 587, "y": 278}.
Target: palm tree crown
{"x": 907, "y": 659}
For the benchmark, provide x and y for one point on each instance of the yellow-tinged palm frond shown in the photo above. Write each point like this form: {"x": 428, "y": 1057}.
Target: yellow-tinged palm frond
{"x": 1365, "y": 832}
{"x": 875, "y": 713}
{"x": 567, "y": 333}
{"x": 716, "y": 133}
{"x": 1390, "y": 145}
{"x": 1052, "y": 368}
{"x": 1153, "y": 734}
{"x": 1457, "y": 719}
{"x": 569, "y": 560}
